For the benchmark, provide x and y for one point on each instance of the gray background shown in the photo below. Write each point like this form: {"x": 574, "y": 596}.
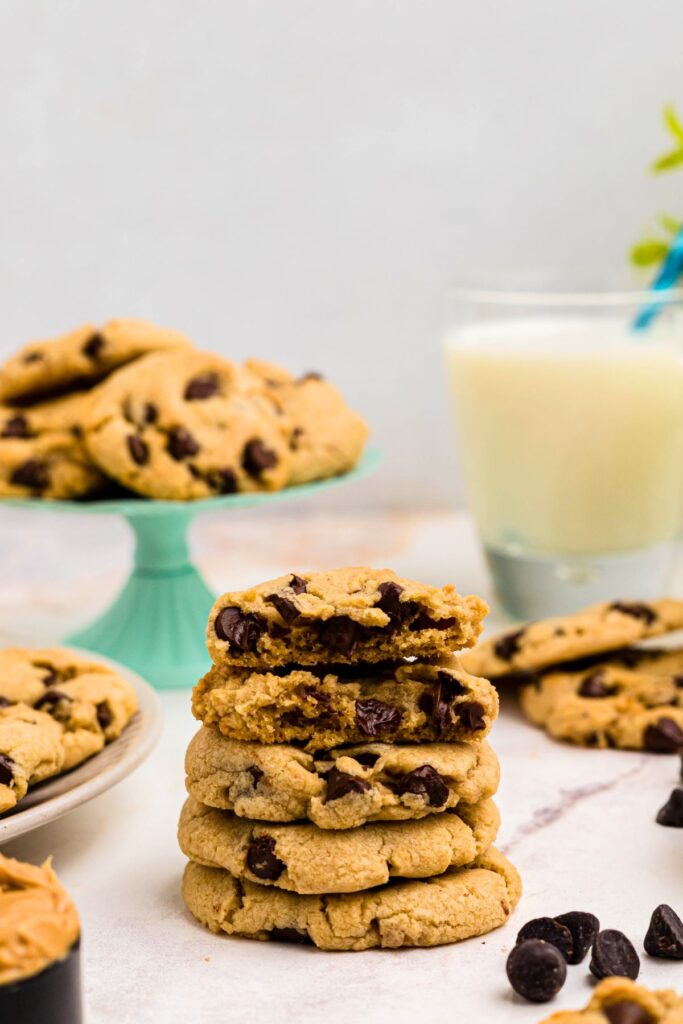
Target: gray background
{"x": 300, "y": 178}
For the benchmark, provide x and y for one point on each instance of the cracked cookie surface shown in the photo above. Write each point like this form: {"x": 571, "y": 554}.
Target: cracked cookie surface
{"x": 456, "y": 905}
{"x": 323, "y": 707}
{"x": 337, "y": 789}
{"x": 622, "y": 1001}
{"x": 304, "y": 859}
{"x": 341, "y": 616}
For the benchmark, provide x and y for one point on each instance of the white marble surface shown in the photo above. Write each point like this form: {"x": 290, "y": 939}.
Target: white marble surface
{"x": 578, "y": 824}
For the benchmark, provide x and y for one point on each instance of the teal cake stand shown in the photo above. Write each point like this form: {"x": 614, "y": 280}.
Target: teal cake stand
{"x": 157, "y": 624}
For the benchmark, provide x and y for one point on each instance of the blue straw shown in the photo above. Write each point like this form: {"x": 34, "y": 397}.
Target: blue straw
{"x": 666, "y": 279}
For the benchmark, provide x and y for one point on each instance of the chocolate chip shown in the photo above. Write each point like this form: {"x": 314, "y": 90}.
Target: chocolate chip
{"x": 224, "y": 481}
{"x": 340, "y": 784}
{"x": 204, "y": 386}
{"x": 472, "y": 716}
{"x": 4, "y": 702}
{"x": 16, "y": 426}
{"x": 536, "y": 970}
{"x": 255, "y": 773}
{"x": 6, "y": 770}
{"x": 104, "y": 715}
{"x": 33, "y": 474}
{"x": 583, "y": 927}
{"x": 664, "y": 937}
{"x": 289, "y": 935}
{"x": 626, "y": 1012}
{"x": 50, "y": 698}
{"x": 550, "y": 930}
{"x": 671, "y": 813}
{"x": 664, "y": 737}
{"x": 94, "y": 346}
{"x": 424, "y": 621}
{"x": 507, "y": 646}
{"x": 635, "y": 609}
{"x": 366, "y": 757}
{"x": 243, "y": 630}
{"x": 453, "y": 686}
{"x": 374, "y": 717}
{"x": 297, "y": 584}
{"x": 614, "y": 955}
{"x": 150, "y": 413}
{"x": 295, "y": 437}
{"x": 33, "y": 357}
{"x": 390, "y": 603}
{"x": 286, "y": 608}
{"x": 257, "y": 458}
{"x": 340, "y": 634}
{"x": 310, "y": 375}
{"x": 594, "y": 685}
{"x": 435, "y": 702}
{"x": 425, "y": 781}
{"x": 261, "y": 858}
{"x": 139, "y": 449}
{"x": 181, "y": 444}
{"x": 50, "y": 678}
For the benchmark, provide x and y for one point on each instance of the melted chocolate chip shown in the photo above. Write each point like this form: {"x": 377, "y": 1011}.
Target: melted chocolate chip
{"x": 626, "y": 1012}
{"x": 104, "y": 715}
{"x": 297, "y": 584}
{"x": 255, "y": 773}
{"x": 286, "y": 608}
{"x": 536, "y": 970}
{"x": 453, "y": 686}
{"x": 262, "y": 860}
{"x": 340, "y": 784}
{"x": 50, "y": 678}
{"x": 340, "y": 634}
{"x": 139, "y": 449}
{"x": 6, "y": 770}
{"x": 664, "y": 937}
{"x": 50, "y": 699}
{"x": 425, "y": 781}
{"x": 664, "y": 737}
{"x": 583, "y": 927}
{"x": 374, "y": 717}
{"x": 204, "y": 386}
{"x": 242, "y": 629}
{"x": 33, "y": 474}
{"x": 614, "y": 955}
{"x": 635, "y": 609}
{"x": 224, "y": 481}
{"x": 16, "y": 426}
{"x": 150, "y": 413}
{"x": 472, "y": 716}
{"x": 594, "y": 685}
{"x": 93, "y": 346}
{"x": 390, "y": 603}
{"x": 424, "y": 621}
{"x": 507, "y": 646}
{"x": 435, "y": 702}
{"x": 289, "y": 935}
{"x": 671, "y": 814}
{"x": 181, "y": 444}
{"x": 257, "y": 458}
{"x": 550, "y": 930}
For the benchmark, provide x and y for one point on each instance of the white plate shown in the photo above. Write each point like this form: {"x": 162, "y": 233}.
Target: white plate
{"x": 54, "y": 797}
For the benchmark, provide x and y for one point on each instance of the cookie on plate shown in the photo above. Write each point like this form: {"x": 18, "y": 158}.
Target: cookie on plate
{"x": 340, "y": 788}
{"x": 184, "y": 425}
{"x": 322, "y": 707}
{"x": 344, "y": 615}
{"x": 456, "y": 905}
{"x": 622, "y": 1001}
{"x": 302, "y": 858}
{"x": 80, "y": 358}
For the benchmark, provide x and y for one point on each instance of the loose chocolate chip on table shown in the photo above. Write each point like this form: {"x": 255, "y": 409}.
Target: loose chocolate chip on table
{"x": 613, "y": 955}
{"x": 104, "y": 715}
{"x": 665, "y": 935}
{"x": 594, "y": 685}
{"x": 626, "y": 1012}
{"x": 6, "y": 770}
{"x": 262, "y": 860}
{"x": 472, "y": 716}
{"x": 507, "y": 646}
{"x": 94, "y": 346}
{"x": 583, "y": 927}
{"x": 636, "y": 609}
{"x": 425, "y": 781}
{"x": 339, "y": 784}
{"x": 243, "y": 630}
{"x": 223, "y": 480}
{"x": 16, "y": 426}
{"x": 200, "y": 387}
{"x": 33, "y": 474}
{"x": 671, "y": 813}
{"x": 289, "y": 935}
{"x": 286, "y": 608}
{"x": 51, "y": 698}
{"x": 297, "y": 584}
{"x": 257, "y": 457}
{"x": 341, "y": 634}
{"x": 550, "y": 930}
{"x": 664, "y": 737}
{"x": 536, "y": 970}
{"x": 374, "y": 717}
{"x": 139, "y": 450}
{"x": 255, "y": 773}
{"x": 181, "y": 444}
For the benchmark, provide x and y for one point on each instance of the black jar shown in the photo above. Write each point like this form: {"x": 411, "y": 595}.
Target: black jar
{"x": 51, "y": 997}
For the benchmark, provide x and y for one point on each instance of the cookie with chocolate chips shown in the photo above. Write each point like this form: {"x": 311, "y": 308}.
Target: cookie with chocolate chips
{"x": 341, "y": 616}
{"x": 339, "y": 788}
{"x": 619, "y": 1000}
{"x": 184, "y": 425}
{"x": 302, "y": 858}
{"x": 321, "y": 707}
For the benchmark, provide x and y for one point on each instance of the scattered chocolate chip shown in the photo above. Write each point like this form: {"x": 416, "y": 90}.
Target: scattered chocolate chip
{"x": 181, "y": 444}
{"x": 50, "y": 699}
{"x": 104, "y": 715}
{"x": 583, "y": 927}
{"x": 289, "y": 935}
{"x": 16, "y": 426}
{"x": 340, "y": 634}
{"x": 204, "y": 386}
{"x": 472, "y": 716}
{"x": 671, "y": 813}
{"x": 93, "y": 346}
{"x": 261, "y": 858}
{"x": 425, "y": 781}
{"x": 390, "y": 603}
{"x": 6, "y": 770}
{"x": 224, "y": 481}
{"x": 33, "y": 357}
{"x": 424, "y": 621}
{"x": 594, "y": 685}
{"x": 295, "y": 437}
{"x": 339, "y": 784}
{"x": 626, "y": 1012}
{"x": 33, "y": 474}
{"x": 665, "y": 935}
{"x": 286, "y": 608}
{"x": 257, "y": 458}
{"x": 374, "y": 717}
{"x": 507, "y": 646}
{"x": 536, "y": 970}
{"x": 255, "y": 773}
{"x": 242, "y": 629}
{"x": 297, "y": 584}
{"x": 550, "y": 930}
{"x": 636, "y": 609}
{"x": 139, "y": 449}
{"x": 366, "y": 757}
{"x": 613, "y": 955}
{"x": 664, "y": 737}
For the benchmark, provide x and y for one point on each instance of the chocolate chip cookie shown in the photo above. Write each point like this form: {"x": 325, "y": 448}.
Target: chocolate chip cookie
{"x": 595, "y": 630}
{"x": 323, "y": 707}
{"x": 184, "y": 425}
{"x": 341, "y": 616}
{"x": 302, "y": 858}
{"x": 634, "y": 702}
{"x": 456, "y": 905}
{"x": 80, "y": 358}
{"x": 340, "y": 788}
{"x": 622, "y": 1001}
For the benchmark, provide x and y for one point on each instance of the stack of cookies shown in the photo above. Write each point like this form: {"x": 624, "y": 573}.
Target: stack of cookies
{"x": 130, "y": 405}
{"x": 340, "y": 786}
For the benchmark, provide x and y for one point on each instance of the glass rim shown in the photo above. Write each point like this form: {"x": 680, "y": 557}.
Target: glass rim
{"x": 598, "y": 298}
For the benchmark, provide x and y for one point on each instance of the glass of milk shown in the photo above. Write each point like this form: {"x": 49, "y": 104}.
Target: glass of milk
{"x": 570, "y": 427}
